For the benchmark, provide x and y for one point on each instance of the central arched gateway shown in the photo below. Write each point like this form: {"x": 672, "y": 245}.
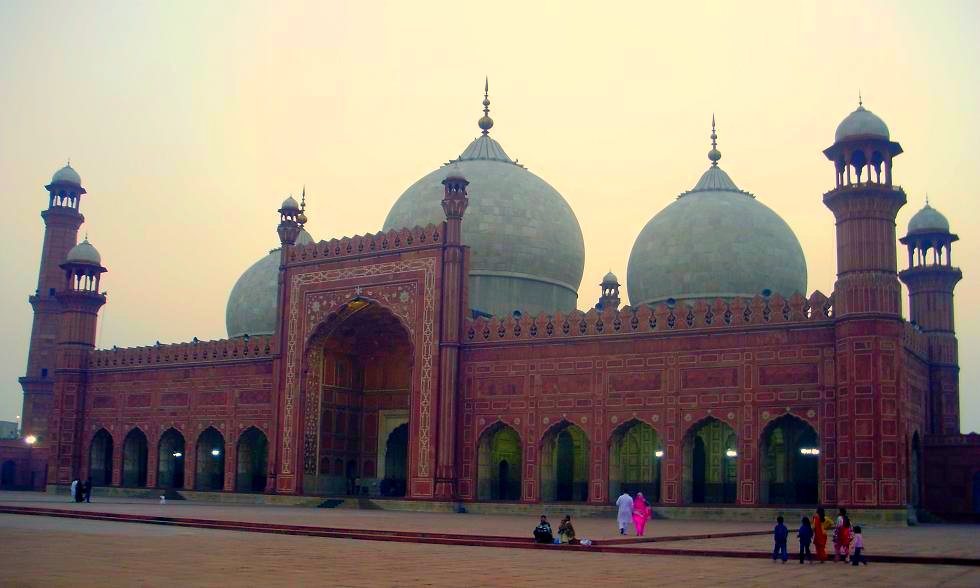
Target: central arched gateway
{"x": 358, "y": 387}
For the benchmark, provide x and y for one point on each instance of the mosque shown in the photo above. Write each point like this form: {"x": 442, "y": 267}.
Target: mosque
{"x": 443, "y": 358}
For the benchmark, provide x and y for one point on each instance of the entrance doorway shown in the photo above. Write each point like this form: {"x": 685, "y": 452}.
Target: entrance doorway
{"x": 253, "y": 450}
{"x": 396, "y": 462}
{"x": 8, "y": 475}
{"x": 635, "y": 453}
{"x": 210, "y": 472}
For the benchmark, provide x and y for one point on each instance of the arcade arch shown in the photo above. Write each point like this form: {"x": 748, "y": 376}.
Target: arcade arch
{"x": 134, "y": 460}
{"x": 635, "y": 454}
{"x": 100, "y": 459}
{"x": 710, "y": 472}
{"x": 253, "y": 451}
{"x": 170, "y": 460}
{"x": 564, "y": 468}
{"x": 790, "y": 462}
{"x": 210, "y": 468}
{"x": 499, "y": 464}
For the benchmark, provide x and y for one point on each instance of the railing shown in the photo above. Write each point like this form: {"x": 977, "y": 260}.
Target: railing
{"x": 178, "y": 353}
{"x": 395, "y": 239}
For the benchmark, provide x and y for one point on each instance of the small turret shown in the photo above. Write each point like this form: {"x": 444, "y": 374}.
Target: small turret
{"x": 610, "y": 293}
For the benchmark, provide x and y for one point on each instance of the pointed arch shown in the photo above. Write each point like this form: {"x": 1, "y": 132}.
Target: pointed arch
{"x": 499, "y": 463}
{"x": 170, "y": 459}
{"x": 134, "y": 462}
{"x": 210, "y": 467}
{"x": 100, "y": 458}
{"x": 789, "y": 453}
{"x": 252, "y": 470}
{"x": 710, "y": 460}
{"x": 395, "y": 482}
{"x": 564, "y": 463}
{"x": 635, "y": 455}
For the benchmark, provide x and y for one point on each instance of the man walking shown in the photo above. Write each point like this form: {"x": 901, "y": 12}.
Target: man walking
{"x": 625, "y": 504}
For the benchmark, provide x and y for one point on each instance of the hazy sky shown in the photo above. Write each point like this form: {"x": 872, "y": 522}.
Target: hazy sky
{"x": 189, "y": 122}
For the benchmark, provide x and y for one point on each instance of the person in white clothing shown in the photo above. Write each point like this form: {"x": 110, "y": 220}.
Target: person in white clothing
{"x": 74, "y": 489}
{"x": 625, "y": 504}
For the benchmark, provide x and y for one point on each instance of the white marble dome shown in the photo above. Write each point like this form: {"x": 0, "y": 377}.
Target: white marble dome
{"x": 861, "y": 123}
{"x": 251, "y": 308}
{"x": 84, "y": 252}
{"x": 928, "y": 220}
{"x": 526, "y": 246}
{"x": 715, "y": 241}
{"x": 67, "y": 175}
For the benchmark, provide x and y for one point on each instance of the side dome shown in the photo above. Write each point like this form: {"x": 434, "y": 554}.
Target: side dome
{"x": 928, "y": 220}
{"x": 67, "y": 175}
{"x": 84, "y": 252}
{"x": 715, "y": 241}
{"x": 251, "y": 308}
{"x": 861, "y": 123}
{"x": 526, "y": 246}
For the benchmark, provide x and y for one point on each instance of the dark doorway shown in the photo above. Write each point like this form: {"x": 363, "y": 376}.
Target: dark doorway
{"x": 170, "y": 460}
{"x": 976, "y": 492}
{"x": 210, "y": 474}
{"x": 396, "y": 462}
{"x": 699, "y": 470}
{"x": 565, "y": 476}
{"x": 8, "y": 475}
{"x": 503, "y": 478}
{"x": 253, "y": 449}
{"x": 499, "y": 464}
{"x": 100, "y": 459}
{"x": 134, "y": 459}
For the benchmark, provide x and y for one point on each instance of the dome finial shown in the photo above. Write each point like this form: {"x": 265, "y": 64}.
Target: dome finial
{"x": 714, "y": 155}
{"x": 486, "y": 123}
{"x": 860, "y": 100}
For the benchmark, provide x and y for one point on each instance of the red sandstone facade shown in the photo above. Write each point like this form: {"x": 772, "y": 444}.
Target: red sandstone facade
{"x": 374, "y": 335}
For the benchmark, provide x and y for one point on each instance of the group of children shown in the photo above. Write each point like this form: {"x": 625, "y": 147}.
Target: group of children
{"x": 845, "y": 538}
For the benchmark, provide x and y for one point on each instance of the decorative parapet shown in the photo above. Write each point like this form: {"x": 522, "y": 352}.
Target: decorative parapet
{"x": 916, "y": 342}
{"x": 183, "y": 353}
{"x": 662, "y": 318}
{"x": 393, "y": 240}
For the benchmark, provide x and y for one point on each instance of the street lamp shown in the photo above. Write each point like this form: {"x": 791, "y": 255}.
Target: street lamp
{"x": 30, "y": 440}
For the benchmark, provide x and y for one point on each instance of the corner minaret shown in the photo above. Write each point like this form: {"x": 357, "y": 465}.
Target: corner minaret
{"x": 868, "y": 326}
{"x": 80, "y": 302}
{"x": 62, "y": 220}
{"x": 865, "y": 203}
{"x": 931, "y": 278}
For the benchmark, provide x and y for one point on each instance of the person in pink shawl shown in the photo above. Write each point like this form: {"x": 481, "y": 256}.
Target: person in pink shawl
{"x": 641, "y": 512}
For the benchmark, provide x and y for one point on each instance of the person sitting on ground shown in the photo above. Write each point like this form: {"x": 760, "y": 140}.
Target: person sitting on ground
{"x": 542, "y": 533}
{"x": 566, "y": 532}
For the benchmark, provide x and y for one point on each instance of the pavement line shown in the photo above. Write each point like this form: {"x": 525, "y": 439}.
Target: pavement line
{"x": 442, "y": 538}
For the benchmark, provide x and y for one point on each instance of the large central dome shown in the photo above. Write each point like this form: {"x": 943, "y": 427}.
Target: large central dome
{"x": 526, "y": 247}
{"x": 715, "y": 241}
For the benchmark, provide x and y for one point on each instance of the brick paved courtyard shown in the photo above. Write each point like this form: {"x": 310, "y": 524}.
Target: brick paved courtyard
{"x": 45, "y": 551}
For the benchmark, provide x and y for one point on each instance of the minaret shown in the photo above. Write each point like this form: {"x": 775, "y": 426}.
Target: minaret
{"x": 61, "y": 222}
{"x": 931, "y": 278}
{"x": 610, "y": 293}
{"x": 80, "y": 302}
{"x": 452, "y": 306}
{"x": 868, "y": 326}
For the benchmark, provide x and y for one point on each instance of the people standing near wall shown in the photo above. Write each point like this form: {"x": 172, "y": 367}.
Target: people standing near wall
{"x": 641, "y": 512}
{"x": 821, "y": 524}
{"x": 87, "y": 490}
{"x": 625, "y": 504}
{"x": 780, "y": 536}
{"x": 75, "y": 490}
